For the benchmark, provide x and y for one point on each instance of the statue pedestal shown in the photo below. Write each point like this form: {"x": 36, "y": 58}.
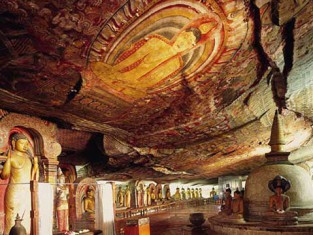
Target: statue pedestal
{"x": 85, "y": 223}
{"x": 229, "y": 226}
{"x": 276, "y": 219}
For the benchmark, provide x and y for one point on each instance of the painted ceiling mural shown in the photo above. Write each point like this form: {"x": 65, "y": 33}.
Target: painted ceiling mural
{"x": 178, "y": 88}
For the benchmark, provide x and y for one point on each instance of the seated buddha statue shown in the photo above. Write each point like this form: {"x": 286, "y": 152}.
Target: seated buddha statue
{"x": 237, "y": 205}
{"x": 177, "y": 195}
{"x": 226, "y": 207}
{"x": 153, "y": 197}
{"x": 279, "y": 203}
{"x": 89, "y": 203}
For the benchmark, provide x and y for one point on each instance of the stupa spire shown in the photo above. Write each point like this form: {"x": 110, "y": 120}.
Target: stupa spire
{"x": 277, "y": 140}
{"x": 277, "y": 143}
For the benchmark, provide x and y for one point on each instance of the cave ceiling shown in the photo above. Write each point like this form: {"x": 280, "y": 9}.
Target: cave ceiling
{"x": 173, "y": 89}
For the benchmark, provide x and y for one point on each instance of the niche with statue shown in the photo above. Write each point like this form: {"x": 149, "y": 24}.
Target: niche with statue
{"x": 84, "y": 192}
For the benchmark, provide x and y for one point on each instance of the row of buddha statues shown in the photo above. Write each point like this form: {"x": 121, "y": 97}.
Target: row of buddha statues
{"x": 152, "y": 194}
{"x": 187, "y": 194}
{"x": 21, "y": 166}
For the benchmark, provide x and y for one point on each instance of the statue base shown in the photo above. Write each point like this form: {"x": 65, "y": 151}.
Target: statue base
{"x": 224, "y": 225}
{"x": 85, "y": 223}
{"x": 276, "y": 219}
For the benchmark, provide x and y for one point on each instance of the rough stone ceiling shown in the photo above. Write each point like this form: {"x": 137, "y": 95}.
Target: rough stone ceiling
{"x": 171, "y": 103}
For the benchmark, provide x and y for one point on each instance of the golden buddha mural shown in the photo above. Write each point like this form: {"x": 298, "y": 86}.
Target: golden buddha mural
{"x": 152, "y": 60}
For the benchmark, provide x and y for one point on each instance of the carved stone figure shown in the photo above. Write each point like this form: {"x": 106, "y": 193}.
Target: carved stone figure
{"x": 145, "y": 195}
{"x": 127, "y": 197}
{"x": 62, "y": 196}
{"x": 140, "y": 195}
{"x": 120, "y": 197}
{"x": 20, "y": 167}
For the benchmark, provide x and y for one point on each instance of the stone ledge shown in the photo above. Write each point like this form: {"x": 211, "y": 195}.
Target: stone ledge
{"x": 241, "y": 227}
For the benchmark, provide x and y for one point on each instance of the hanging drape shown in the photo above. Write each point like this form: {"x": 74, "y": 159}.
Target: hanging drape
{"x": 45, "y": 208}
{"x": 104, "y": 209}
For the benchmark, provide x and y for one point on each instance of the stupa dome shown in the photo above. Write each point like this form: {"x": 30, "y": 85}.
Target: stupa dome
{"x": 257, "y": 192}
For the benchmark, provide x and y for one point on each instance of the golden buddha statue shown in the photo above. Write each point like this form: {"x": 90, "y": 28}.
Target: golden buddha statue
{"x": 153, "y": 196}
{"x": 192, "y": 194}
{"x": 20, "y": 168}
{"x": 160, "y": 195}
{"x": 188, "y": 194}
{"x": 120, "y": 197}
{"x": 127, "y": 197}
{"x": 183, "y": 194}
{"x": 168, "y": 194}
{"x": 89, "y": 203}
{"x": 177, "y": 195}
{"x": 196, "y": 193}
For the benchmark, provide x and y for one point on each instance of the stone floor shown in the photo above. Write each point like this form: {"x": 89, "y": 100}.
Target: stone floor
{"x": 176, "y": 222}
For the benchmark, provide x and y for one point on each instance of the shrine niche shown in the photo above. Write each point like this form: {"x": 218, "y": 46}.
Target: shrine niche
{"x": 43, "y": 133}
{"x": 141, "y": 193}
{"x": 70, "y": 176}
{"x": 84, "y": 192}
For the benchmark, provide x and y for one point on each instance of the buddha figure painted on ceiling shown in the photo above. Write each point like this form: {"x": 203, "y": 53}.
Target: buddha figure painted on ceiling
{"x": 162, "y": 45}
